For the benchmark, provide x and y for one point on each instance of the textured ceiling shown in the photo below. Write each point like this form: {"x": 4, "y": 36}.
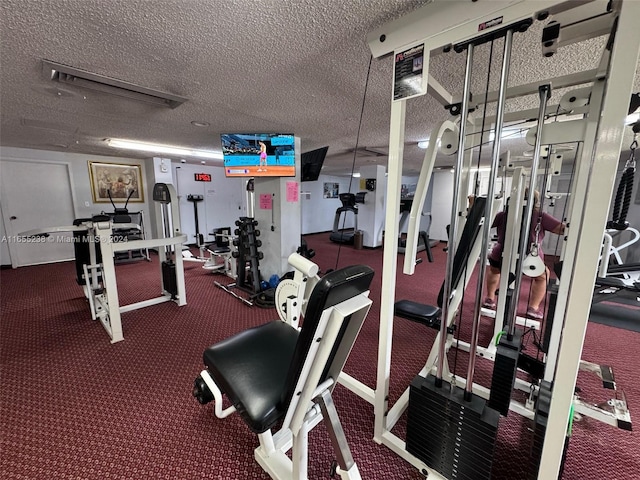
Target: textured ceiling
{"x": 245, "y": 66}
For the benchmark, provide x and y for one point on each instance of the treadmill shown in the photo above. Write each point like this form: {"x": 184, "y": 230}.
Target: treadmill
{"x": 348, "y": 205}
{"x": 424, "y": 243}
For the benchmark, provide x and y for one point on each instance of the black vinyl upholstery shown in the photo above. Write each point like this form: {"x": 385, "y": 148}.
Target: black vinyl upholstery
{"x": 468, "y": 237}
{"x": 427, "y": 314}
{"x": 81, "y": 250}
{"x": 258, "y": 369}
{"x": 251, "y": 368}
{"x": 417, "y": 312}
{"x": 624, "y": 268}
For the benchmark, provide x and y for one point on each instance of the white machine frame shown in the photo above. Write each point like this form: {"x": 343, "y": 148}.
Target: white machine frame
{"x": 596, "y": 158}
{"x": 105, "y": 305}
{"x": 611, "y": 250}
{"x": 314, "y": 402}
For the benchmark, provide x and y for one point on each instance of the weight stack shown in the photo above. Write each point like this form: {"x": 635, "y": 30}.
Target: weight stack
{"x": 539, "y": 428}
{"x": 169, "y": 279}
{"x": 504, "y": 372}
{"x": 453, "y": 436}
{"x": 548, "y": 323}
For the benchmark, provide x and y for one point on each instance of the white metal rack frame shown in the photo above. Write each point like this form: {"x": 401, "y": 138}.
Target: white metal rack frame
{"x": 601, "y": 134}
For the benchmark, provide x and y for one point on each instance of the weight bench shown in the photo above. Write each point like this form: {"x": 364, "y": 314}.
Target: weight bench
{"x": 276, "y": 374}
{"x": 430, "y": 315}
{"x": 221, "y": 249}
{"x": 418, "y": 312}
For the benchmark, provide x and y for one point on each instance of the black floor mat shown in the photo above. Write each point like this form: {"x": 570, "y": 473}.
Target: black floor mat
{"x": 620, "y": 310}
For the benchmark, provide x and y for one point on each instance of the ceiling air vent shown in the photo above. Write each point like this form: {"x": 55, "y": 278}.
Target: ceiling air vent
{"x": 112, "y": 86}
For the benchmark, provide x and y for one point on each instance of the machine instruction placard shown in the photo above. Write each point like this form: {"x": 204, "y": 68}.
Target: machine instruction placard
{"x": 408, "y": 77}
{"x": 266, "y": 202}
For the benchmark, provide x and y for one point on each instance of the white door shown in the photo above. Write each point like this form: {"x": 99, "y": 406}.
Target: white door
{"x": 36, "y": 195}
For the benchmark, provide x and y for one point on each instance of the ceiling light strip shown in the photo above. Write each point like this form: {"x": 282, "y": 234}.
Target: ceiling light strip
{"x": 166, "y": 149}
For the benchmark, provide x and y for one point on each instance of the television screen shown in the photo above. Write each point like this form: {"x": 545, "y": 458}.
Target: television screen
{"x": 312, "y": 164}
{"x": 258, "y": 155}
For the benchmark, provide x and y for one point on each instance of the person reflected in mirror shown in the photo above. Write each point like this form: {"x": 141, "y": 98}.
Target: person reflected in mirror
{"x": 547, "y": 223}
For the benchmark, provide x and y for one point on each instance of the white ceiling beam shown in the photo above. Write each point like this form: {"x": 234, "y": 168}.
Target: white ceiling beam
{"x": 437, "y": 91}
{"x": 455, "y": 22}
{"x": 564, "y": 81}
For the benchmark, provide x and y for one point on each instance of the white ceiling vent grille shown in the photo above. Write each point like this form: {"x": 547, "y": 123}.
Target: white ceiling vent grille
{"x": 92, "y": 81}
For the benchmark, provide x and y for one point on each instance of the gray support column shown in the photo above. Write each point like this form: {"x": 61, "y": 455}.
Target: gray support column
{"x": 280, "y": 226}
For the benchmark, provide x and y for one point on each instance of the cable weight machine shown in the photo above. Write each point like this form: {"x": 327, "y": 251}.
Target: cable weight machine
{"x": 600, "y": 135}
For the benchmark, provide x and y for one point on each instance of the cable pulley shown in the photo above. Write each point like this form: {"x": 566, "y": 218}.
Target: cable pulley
{"x": 623, "y": 194}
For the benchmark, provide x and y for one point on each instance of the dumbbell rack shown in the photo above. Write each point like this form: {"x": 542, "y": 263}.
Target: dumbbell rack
{"x": 247, "y": 255}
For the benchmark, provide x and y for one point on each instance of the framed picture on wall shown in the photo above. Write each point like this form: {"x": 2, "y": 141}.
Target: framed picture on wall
{"x": 121, "y": 180}
{"x": 331, "y": 190}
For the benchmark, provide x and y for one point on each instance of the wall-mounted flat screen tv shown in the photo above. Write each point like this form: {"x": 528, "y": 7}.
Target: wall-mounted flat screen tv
{"x": 312, "y": 164}
{"x": 259, "y": 154}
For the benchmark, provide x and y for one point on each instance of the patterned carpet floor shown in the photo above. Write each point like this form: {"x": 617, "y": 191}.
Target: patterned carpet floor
{"x": 74, "y": 406}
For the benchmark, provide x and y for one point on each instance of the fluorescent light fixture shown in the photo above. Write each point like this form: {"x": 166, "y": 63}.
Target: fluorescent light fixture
{"x": 509, "y": 133}
{"x": 167, "y": 149}
{"x": 633, "y": 118}
{"x": 424, "y": 144}
{"x": 356, "y": 175}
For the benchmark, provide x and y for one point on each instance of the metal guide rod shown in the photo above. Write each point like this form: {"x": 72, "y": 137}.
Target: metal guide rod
{"x": 168, "y": 228}
{"x": 545, "y": 94}
{"x": 453, "y": 234}
{"x": 486, "y": 237}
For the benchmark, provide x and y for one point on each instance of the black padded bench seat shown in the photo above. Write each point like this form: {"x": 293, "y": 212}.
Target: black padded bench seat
{"x": 258, "y": 369}
{"x": 418, "y": 312}
{"x": 213, "y": 247}
{"x": 254, "y": 383}
{"x": 624, "y": 268}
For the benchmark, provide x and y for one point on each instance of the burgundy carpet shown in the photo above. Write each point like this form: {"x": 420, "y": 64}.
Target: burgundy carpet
{"x": 74, "y": 406}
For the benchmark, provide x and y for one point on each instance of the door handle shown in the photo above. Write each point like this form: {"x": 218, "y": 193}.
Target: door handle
{"x": 13, "y": 217}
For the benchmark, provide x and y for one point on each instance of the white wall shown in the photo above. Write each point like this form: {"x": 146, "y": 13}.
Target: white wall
{"x": 371, "y": 214}
{"x": 82, "y": 200}
{"x": 425, "y": 220}
{"x": 5, "y": 256}
{"x": 318, "y": 213}
{"x": 223, "y": 204}
{"x": 441, "y": 204}
{"x": 280, "y": 225}
{"x": 78, "y": 165}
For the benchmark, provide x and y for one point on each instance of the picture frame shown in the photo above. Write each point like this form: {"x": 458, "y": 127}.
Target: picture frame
{"x": 118, "y": 178}
{"x": 331, "y": 190}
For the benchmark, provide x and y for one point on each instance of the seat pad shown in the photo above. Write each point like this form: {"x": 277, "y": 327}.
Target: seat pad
{"x": 417, "y": 312}
{"x": 251, "y": 369}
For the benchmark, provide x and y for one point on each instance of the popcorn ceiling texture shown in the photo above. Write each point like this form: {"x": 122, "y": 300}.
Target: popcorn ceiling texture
{"x": 275, "y": 65}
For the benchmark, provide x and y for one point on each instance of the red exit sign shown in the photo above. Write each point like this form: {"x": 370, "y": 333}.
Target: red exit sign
{"x": 202, "y": 177}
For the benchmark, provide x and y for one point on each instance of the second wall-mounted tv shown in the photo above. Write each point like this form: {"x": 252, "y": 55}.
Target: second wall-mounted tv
{"x": 259, "y": 154}
{"x": 312, "y": 164}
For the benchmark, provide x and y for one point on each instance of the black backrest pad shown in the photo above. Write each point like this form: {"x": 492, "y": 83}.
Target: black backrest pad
{"x": 81, "y": 249}
{"x": 334, "y": 288}
{"x": 468, "y": 237}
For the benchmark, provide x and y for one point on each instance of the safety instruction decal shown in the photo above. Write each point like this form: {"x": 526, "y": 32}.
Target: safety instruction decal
{"x": 408, "y": 78}
{"x": 292, "y": 191}
{"x": 266, "y": 201}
